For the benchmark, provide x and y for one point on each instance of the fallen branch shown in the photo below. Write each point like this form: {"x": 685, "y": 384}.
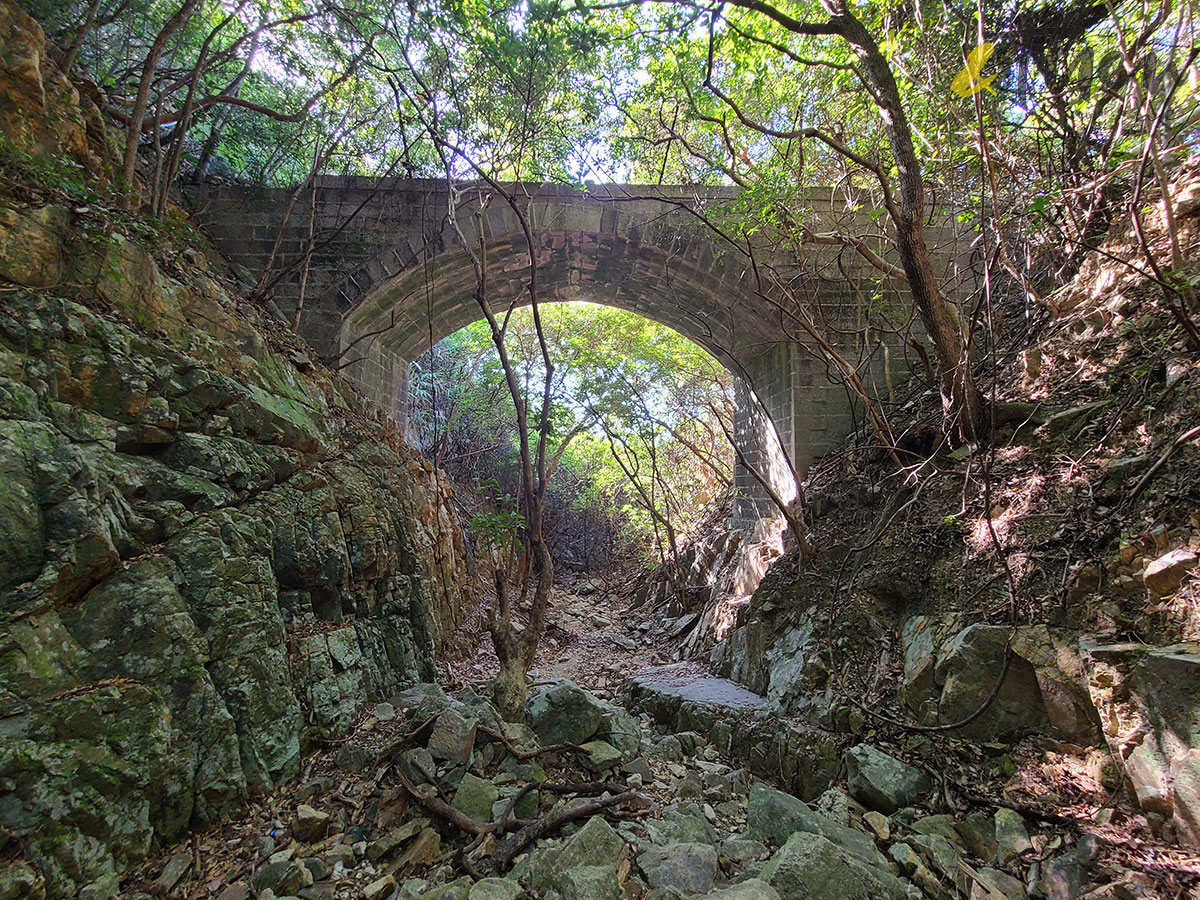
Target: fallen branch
{"x": 527, "y": 754}
{"x": 395, "y": 744}
{"x": 508, "y": 849}
{"x": 1162, "y": 461}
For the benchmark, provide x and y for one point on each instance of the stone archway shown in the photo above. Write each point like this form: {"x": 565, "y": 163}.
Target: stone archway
{"x": 392, "y": 274}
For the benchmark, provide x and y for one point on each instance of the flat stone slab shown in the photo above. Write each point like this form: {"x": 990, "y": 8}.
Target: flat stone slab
{"x": 692, "y": 684}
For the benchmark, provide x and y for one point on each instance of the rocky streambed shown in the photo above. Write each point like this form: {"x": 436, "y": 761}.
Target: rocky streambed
{"x": 435, "y": 797}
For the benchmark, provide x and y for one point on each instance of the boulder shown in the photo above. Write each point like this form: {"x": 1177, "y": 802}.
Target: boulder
{"x": 690, "y": 868}
{"x": 775, "y": 816}
{"x": 601, "y": 756}
{"x": 475, "y": 797}
{"x": 882, "y": 782}
{"x": 283, "y": 876}
{"x": 811, "y": 867}
{"x": 622, "y": 730}
{"x": 390, "y": 843}
{"x": 909, "y": 862}
{"x": 564, "y": 713}
{"x": 495, "y": 889}
{"x": 380, "y": 889}
{"x": 682, "y": 824}
{"x": 740, "y": 850}
{"x": 1149, "y": 698}
{"x": 453, "y": 738}
{"x": 1164, "y": 575}
{"x": 978, "y": 832}
{"x": 988, "y": 883}
{"x": 967, "y": 668}
{"x": 595, "y": 844}
{"x": 310, "y": 824}
{"x": 421, "y": 701}
{"x": 1011, "y": 837}
{"x": 589, "y": 883}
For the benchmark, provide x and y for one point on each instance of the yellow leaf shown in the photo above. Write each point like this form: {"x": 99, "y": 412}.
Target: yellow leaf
{"x": 968, "y": 82}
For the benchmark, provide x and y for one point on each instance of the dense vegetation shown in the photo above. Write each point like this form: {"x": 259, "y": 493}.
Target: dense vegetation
{"x": 1036, "y": 124}
{"x": 639, "y": 418}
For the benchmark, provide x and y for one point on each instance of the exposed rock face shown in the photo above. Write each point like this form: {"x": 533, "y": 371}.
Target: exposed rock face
{"x": 1150, "y": 700}
{"x": 211, "y": 552}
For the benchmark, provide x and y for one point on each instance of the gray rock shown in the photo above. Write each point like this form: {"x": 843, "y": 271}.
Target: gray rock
{"x": 910, "y": 863}
{"x": 968, "y": 664}
{"x": 177, "y": 866}
{"x": 314, "y": 787}
{"x": 939, "y": 854}
{"x": 689, "y": 867}
{"x": 978, "y": 833}
{"x": 665, "y": 893}
{"x": 1011, "y": 837}
{"x": 589, "y": 883}
{"x": 1153, "y": 692}
{"x": 684, "y": 824}
{"x": 352, "y": 759}
{"x": 310, "y": 824}
{"x": 417, "y": 764}
{"x": 882, "y": 782}
{"x": 740, "y": 850}
{"x": 640, "y": 767}
{"x": 838, "y": 806}
{"x": 564, "y": 713}
{"x": 750, "y": 889}
{"x": 379, "y": 889}
{"x": 810, "y": 867}
{"x": 600, "y": 756}
{"x": 320, "y": 869}
{"x": 775, "y": 816}
{"x": 384, "y": 712}
{"x": 283, "y": 877}
{"x": 622, "y": 730}
{"x": 453, "y": 738}
{"x": 595, "y": 844}
{"x": 421, "y": 702}
{"x": 691, "y": 787}
{"x": 619, "y": 640}
{"x": 689, "y": 742}
{"x": 942, "y": 825}
{"x": 997, "y": 882}
{"x": 668, "y": 749}
{"x": 475, "y": 797}
{"x": 390, "y": 843}
{"x": 495, "y": 889}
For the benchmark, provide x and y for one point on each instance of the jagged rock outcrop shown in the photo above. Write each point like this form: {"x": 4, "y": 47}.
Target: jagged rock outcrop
{"x": 212, "y": 552}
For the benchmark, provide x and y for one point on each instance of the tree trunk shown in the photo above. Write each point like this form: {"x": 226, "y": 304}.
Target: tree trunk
{"x": 510, "y": 690}
{"x": 964, "y": 407}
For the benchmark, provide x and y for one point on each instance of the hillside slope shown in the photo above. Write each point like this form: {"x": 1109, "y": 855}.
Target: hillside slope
{"x": 213, "y": 554}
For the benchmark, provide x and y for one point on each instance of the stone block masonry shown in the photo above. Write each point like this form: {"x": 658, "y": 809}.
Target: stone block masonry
{"x": 392, "y": 272}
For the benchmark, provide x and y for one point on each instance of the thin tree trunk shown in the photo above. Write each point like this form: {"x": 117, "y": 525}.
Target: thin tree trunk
{"x": 142, "y": 101}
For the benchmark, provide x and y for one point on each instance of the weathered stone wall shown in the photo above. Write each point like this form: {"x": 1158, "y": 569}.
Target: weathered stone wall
{"x": 212, "y": 552}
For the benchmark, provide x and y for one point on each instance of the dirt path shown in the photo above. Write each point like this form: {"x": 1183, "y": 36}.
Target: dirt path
{"x": 590, "y": 638}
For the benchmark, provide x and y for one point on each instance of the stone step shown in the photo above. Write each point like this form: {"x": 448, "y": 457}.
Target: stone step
{"x": 739, "y": 723}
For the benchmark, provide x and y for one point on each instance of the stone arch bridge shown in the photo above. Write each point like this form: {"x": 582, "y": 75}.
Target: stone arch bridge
{"x": 390, "y": 274}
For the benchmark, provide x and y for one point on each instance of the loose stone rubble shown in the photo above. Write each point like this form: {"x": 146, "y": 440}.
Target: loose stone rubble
{"x": 504, "y": 818}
